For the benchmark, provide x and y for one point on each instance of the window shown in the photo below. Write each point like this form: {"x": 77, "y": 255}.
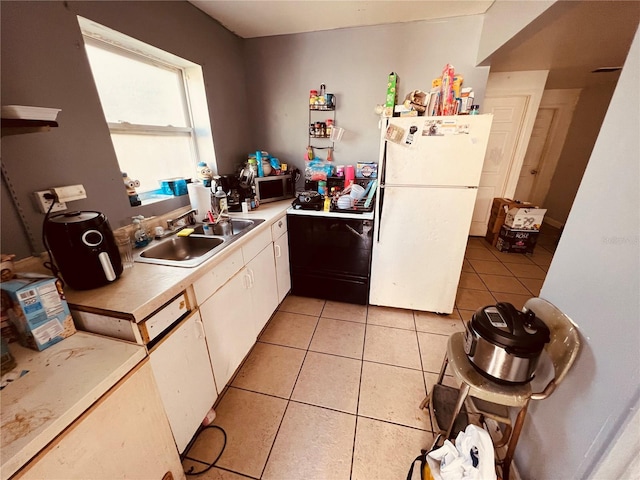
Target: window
{"x": 147, "y": 96}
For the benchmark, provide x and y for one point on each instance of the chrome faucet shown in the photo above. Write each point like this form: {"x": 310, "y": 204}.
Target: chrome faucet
{"x": 187, "y": 218}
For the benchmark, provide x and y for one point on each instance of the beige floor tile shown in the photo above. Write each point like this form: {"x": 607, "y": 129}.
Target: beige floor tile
{"x": 542, "y": 257}
{"x": 473, "y": 299}
{"x": 312, "y": 443}
{"x": 527, "y": 271}
{"x": 392, "y": 346}
{"x": 494, "y": 268}
{"x": 503, "y": 284}
{"x": 345, "y": 311}
{"x": 432, "y": 349}
{"x": 251, "y": 421}
{"x": 479, "y": 254}
{"x": 391, "y": 317}
{"x": 472, "y": 281}
{"x": 384, "y": 451}
{"x": 290, "y": 329}
{"x": 477, "y": 242}
{"x": 329, "y": 381}
{"x": 270, "y": 369}
{"x": 444, "y": 324}
{"x": 466, "y": 314}
{"x": 338, "y": 337}
{"x": 304, "y": 305}
{"x": 533, "y": 284}
{"x": 393, "y": 394}
{"x": 211, "y": 474}
{"x": 516, "y": 300}
{"x": 512, "y": 258}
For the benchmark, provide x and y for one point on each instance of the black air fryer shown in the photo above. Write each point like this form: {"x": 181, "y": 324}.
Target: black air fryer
{"x": 84, "y": 249}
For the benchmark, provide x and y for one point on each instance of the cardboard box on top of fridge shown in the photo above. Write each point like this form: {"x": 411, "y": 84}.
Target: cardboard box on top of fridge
{"x": 516, "y": 241}
{"x": 524, "y": 218}
{"x": 39, "y": 311}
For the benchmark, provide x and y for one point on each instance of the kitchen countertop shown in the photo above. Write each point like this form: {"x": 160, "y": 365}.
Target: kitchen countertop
{"x": 62, "y": 382}
{"x": 143, "y": 289}
{"x": 320, "y": 213}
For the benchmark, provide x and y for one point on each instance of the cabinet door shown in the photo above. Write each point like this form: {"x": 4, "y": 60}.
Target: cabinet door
{"x": 183, "y": 373}
{"x": 283, "y": 275}
{"x": 228, "y": 323}
{"x": 124, "y": 435}
{"x": 264, "y": 288}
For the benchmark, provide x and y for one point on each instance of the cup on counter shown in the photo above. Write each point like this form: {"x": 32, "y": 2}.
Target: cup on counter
{"x": 349, "y": 175}
{"x": 356, "y": 192}
{"x": 125, "y": 247}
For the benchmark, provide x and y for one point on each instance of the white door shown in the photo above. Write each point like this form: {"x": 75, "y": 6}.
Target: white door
{"x": 182, "y": 370}
{"x": 229, "y": 326}
{"x": 453, "y": 156}
{"x": 417, "y": 260}
{"x": 283, "y": 275}
{"x": 536, "y": 152}
{"x": 263, "y": 287}
{"x": 508, "y": 116}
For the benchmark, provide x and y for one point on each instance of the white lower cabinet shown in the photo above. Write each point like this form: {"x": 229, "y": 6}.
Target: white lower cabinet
{"x": 182, "y": 370}
{"x": 283, "y": 275}
{"x": 263, "y": 288}
{"x": 234, "y": 313}
{"x": 229, "y": 326}
{"x": 124, "y": 435}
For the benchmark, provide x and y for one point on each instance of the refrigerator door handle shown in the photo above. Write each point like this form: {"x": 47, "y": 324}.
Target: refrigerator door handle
{"x": 381, "y": 190}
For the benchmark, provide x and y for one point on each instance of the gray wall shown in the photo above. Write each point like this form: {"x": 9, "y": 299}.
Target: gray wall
{"x": 354, "y": 63}
{"x": 595, "y": 279}
{"x": 583, "y": 132}
{"x": 44, "y": 64}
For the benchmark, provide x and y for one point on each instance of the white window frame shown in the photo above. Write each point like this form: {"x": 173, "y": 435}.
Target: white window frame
{"x": 193, "y": 92}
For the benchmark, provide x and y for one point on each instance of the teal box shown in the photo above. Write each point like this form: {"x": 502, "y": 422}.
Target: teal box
{"x": 39, "y": 311}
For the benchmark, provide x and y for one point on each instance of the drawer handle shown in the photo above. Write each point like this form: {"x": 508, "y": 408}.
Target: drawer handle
{"x": 280, "y": 224}
{"x": 183, "y": 305}
{"x": 278, "y": 251}
{"x": 201, "y": 325}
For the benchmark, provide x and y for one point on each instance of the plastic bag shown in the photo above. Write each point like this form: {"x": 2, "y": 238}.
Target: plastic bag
{"x": 317, "y": 169}
{"x": 471, "y": 458}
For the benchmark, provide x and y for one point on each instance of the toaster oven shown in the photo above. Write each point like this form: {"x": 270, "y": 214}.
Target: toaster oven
{"x": 274, "y": 188}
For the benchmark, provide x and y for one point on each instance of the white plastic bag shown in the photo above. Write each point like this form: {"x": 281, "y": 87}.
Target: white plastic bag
{"x": 472, "y": 457}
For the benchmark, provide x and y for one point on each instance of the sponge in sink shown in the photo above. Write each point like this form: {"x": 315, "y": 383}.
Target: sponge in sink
{"x": 185, "y": 232}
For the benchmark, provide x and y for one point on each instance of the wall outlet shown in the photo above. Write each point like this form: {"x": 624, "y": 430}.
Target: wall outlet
{"x": 44, "y": 203}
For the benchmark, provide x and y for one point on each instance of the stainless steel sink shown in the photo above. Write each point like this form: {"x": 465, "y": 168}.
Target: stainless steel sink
{"x": 195, "y": 249}
{"x": 238, "y": 226}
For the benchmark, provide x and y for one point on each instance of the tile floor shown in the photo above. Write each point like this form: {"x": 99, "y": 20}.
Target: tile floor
{"x": 332, "y": 390}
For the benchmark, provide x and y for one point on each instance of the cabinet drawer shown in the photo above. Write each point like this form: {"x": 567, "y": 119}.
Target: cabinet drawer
{"x": 278, "y": 228}
{"x": 255, "y": 246}
{"x": 159, "y": 322}
{"x": 206, "y": 286}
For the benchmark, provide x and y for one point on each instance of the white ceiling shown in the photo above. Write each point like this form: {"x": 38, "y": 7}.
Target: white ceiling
{"x": 570, "y": 39}
{"x": 263, "y": 18}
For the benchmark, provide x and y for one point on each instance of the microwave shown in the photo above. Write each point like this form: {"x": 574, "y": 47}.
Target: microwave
{"x": 274, "y": 188}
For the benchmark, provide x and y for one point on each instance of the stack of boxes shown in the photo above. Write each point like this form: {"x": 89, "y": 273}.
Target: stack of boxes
{"x": 514, "y": 226}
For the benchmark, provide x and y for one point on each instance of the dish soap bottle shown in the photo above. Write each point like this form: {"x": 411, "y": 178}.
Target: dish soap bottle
{"x": 142, "y": 239}
{"x": 219, "y": 203}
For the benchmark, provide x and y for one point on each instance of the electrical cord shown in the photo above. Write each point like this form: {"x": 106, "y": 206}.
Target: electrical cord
{"x": 50, "y": 265}
{"x": 212, "y": 464}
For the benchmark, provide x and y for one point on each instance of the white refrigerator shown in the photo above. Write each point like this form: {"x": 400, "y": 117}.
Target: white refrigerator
{"x": 428, "y": 173}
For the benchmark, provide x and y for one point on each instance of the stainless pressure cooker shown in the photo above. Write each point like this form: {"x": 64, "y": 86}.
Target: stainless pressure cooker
{"x": 505, "y": 344}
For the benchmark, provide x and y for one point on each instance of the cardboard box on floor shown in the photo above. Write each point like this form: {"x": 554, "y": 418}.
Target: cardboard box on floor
{"x": 516, "y": 241}
{"x": 499, "y": 210}
{"x": 520, "y": 218}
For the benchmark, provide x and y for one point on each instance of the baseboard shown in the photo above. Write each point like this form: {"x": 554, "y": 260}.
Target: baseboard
{"x": 553, "y": 223}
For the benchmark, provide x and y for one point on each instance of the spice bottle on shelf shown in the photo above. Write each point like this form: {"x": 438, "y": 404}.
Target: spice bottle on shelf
{"x": 329, "y": 127}
{"x": 313, "y": 98}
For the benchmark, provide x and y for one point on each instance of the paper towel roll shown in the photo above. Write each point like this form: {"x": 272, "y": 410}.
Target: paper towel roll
{"x": 200, "y": 198}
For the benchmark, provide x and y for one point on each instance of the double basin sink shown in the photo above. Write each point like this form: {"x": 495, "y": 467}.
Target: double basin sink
{"x": 195, "y": 249}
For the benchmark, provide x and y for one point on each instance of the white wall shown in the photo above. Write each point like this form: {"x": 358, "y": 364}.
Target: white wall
{"x": 504, "y": 19}
{"x": 595, "y": 279}
{"x": 354, "y": 63}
